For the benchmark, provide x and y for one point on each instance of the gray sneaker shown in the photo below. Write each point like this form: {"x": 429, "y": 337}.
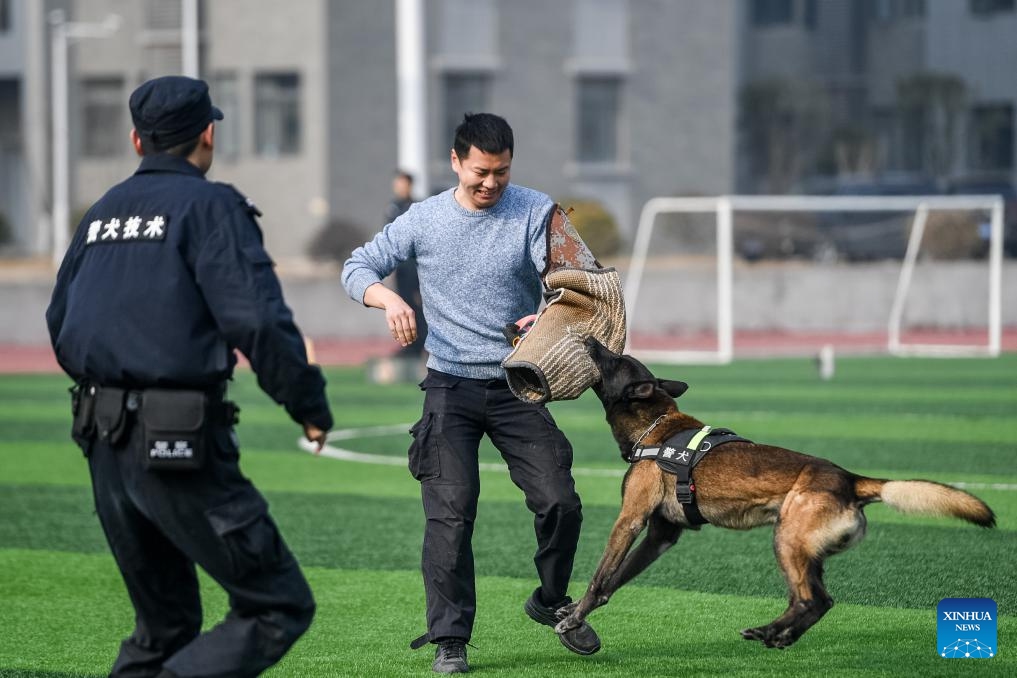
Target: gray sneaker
{"x": 450, "y": 657}
{"x": 582, "y": 640}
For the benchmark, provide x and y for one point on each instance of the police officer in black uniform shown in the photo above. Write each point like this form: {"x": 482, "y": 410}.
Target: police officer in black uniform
{"x": 165, "y": 277}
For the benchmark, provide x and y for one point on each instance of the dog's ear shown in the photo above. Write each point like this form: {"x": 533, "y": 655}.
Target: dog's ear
{"x": 673, "y": 388}
{"x": 642, "y": 390}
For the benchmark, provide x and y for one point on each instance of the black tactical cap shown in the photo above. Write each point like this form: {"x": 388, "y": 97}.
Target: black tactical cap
{"x": 173, "y": 109}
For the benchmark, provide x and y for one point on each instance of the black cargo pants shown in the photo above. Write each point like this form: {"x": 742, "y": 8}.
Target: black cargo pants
{"x": 160, "y": 524}
{"x": 443, "y": 457}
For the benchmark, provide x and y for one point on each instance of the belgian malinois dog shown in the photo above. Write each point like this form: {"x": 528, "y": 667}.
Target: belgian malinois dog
{"x": 815, "y": 505}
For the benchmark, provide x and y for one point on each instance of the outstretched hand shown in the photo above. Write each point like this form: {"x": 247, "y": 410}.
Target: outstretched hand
{"x": 317, "y": 436}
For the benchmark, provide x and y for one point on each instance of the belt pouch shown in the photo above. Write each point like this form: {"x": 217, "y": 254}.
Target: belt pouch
{"x": 83, "y": 409}
{"x": 110, "y": 416}
{"x": 174, "y": 425}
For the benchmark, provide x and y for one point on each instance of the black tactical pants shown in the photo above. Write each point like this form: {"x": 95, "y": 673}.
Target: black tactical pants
{"x": 160, "y": 524}
{"x": 443, "y": 457}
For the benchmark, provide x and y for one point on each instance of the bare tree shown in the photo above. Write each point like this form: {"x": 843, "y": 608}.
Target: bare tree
{"x": 933, "y": 103}
{"x": 781, "y": 123}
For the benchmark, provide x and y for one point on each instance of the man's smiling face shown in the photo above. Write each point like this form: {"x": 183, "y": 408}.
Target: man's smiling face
{"x": 482, "y": 177}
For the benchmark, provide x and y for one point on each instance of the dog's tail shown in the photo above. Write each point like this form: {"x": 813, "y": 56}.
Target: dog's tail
{"x": 927, "y": 497}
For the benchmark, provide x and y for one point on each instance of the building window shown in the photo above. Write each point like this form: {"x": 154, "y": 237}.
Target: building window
{"x": 884, "y": 125}
{"x": 985, "y": 7}
{"x": 277, "y": 114}
{"x": 598, "y": 110}
{"x": 103, "y": 119}
{"x": 223, "y": 89}
{"x": 772, "y": 12}
{"x": 5, "y": 16}
{"x": 990, "y": 145}
{"x": 893, "y": 10}
{"x": 912, "y": 8}
{"x": 463, "y": 93}
{"x": 466, "y": 58}
{"x": 811, "y": 11}
{"x": 913, "y": 140}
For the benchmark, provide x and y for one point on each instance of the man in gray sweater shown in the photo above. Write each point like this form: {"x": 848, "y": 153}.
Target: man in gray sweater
{"x": 480, "y": 249}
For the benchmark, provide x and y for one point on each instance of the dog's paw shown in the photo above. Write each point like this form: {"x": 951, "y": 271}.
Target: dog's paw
{"x": 758, "y": 633}
{"x": 764, "y": 634}
{"x": 566, "y": 610}
{"x": 566, "y": 625}
{"x": 783, "y": 639}
{"x": 770, "y": 636}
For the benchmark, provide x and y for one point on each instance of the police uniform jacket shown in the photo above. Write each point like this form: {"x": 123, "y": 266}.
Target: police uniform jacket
{"x": 165, "y": 276}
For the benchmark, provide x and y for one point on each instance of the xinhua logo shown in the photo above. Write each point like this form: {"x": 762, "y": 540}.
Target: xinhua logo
{"x": 966, "y": 628}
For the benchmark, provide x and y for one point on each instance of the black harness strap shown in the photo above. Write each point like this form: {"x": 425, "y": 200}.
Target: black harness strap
{"x": 679, "y": 455}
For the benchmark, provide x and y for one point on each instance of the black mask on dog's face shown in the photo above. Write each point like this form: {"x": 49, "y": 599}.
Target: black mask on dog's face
{"x": 624, "y": 378}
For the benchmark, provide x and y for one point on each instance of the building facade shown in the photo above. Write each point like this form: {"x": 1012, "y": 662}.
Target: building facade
{"x": 613, "y": 100}
{"x": 876, "y": 87}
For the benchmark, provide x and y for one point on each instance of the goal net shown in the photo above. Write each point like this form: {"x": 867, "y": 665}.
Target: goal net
{"x": 710, "y": 277}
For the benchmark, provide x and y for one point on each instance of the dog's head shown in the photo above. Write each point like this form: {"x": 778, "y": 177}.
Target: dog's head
{"x": 632, "y": 397}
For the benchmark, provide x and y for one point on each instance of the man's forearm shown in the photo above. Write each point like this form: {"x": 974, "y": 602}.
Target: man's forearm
{"x": 379, "y": 296}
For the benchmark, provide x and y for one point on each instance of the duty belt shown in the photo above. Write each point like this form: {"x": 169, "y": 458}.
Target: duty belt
{"x": 679, "y": 455}
{"x": 104, "y": 410}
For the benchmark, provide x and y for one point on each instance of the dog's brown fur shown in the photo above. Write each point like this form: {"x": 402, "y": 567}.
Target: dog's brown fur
{"x": 815, "y": 505}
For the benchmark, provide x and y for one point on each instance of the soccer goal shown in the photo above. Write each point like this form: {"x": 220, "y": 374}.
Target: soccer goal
{"x": 724, "y": 210}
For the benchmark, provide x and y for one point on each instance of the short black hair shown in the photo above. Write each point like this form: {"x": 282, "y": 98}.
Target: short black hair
{"x": 403, "y": 174}
{"x": 181, "y": 150}
{"x": 488, "y": 132}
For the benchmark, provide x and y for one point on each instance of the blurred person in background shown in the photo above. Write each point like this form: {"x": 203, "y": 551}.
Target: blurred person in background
{"x": 164, "y": 278}
{"x": 480, "y": 249}
{"x": 406, "y": 280}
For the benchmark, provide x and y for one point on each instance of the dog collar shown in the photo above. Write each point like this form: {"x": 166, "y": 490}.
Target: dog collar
{"x": 638, "y": 444}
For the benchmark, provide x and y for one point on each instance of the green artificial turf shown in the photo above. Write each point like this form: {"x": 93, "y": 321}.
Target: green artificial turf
{"x": 357, "y": 528}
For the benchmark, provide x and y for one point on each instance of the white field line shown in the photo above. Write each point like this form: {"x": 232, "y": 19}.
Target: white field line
{"x": 333, "y": 452}
{"x": 1009, "y": 487}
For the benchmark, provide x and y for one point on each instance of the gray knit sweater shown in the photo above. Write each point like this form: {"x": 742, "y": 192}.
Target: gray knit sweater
{"x": 478, "y": 271}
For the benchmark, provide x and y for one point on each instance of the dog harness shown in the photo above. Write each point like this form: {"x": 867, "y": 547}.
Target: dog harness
{"x": 679, "y": 455}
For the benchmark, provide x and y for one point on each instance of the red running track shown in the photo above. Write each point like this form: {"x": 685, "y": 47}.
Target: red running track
{"x": 20, "y": 359}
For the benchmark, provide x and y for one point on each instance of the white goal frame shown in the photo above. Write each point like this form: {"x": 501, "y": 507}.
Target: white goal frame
{"x": 724, "y": 207}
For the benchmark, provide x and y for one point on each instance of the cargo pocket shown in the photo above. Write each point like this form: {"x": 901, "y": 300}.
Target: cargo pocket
{"x": 559, "y": 443}
{"x": 424, "y": 458}
{"x": 250, "y": 536}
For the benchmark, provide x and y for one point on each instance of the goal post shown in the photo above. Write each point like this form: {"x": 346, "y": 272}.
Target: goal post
{"x": 725, "y": 207}
{"x": 721, "y": 207}
{"x": 995, "y": 322}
